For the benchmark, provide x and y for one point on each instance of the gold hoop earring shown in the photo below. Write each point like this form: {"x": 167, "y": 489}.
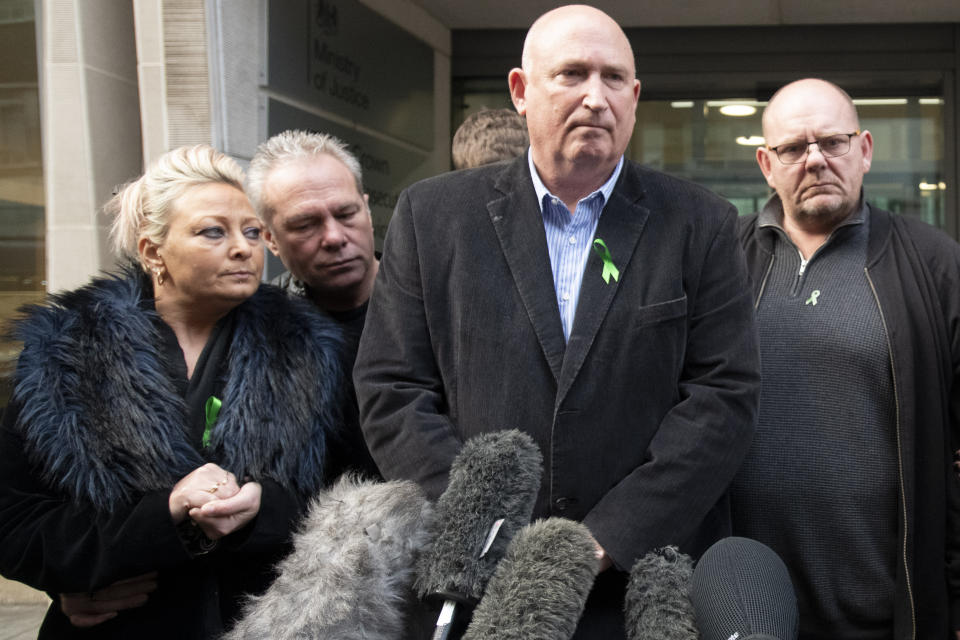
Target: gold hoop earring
{"x": 159, "y": 274}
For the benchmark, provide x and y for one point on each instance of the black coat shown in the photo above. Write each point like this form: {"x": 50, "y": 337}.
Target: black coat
{"x": 95, "y": 438}
{"x": 642, "y": 418}
{"x": 914, "y": 270}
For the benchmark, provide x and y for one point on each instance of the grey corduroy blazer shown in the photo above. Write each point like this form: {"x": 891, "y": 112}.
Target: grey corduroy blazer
{"x": 643, "y": 416}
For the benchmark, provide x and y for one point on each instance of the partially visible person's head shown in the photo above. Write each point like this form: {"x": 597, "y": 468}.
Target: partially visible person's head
{"x": 307, "y": 188}
{"x": 190, "y": 225}
{"x": 578, "y": 90}
{"x": 818, "y": 184}
{"x": 489, "y": 136}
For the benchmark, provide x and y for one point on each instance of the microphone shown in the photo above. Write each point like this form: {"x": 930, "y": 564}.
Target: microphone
{"x": 350, "y": 573}
{"x": 493, "y": 486}
{"x": 540, "y": 587}
{"x": 741, "y": 589}
{"x": 657, "y": 603}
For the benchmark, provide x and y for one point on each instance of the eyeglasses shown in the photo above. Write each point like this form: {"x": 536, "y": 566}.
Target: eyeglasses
{"x": 830, "y": 146}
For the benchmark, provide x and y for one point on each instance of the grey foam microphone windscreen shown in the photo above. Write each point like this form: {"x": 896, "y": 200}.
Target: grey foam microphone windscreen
{"x": 741, "y": 589}
{"x": 351, "y": 568}
{"x": 540, "y": 587}
{"x": 657, "y": 603}
{"x": 496, "y": 476}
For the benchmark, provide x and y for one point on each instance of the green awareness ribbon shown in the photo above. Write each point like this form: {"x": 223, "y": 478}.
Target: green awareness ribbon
{"x": 212, "y": 410}
{"x": 813, "y": 297}
{"x": 609, "y": 269}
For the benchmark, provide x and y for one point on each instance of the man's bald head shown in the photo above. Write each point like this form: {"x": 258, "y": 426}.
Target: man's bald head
{"x": 578, "y": 90}
{"x": 817, "y": 119}
{"x": 803, "y": 90}
{"x": 539, "y": 36}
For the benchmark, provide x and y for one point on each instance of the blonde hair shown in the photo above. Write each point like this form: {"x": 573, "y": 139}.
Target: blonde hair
{"x": 142, "y": 208}
{"x": 294, "y": 145}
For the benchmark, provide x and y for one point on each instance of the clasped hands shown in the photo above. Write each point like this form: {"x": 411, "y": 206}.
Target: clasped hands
{"x": 212, "y": 498}
{"x": 217, "y": 504}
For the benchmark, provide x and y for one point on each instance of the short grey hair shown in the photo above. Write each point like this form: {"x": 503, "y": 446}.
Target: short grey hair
{"x": 286, "y": 147}
{"x": 142, "y": 208}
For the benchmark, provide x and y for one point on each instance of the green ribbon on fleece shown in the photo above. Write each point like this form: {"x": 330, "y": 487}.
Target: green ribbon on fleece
{"x": 212, "y": 410}
{"x": 609, "y": 269}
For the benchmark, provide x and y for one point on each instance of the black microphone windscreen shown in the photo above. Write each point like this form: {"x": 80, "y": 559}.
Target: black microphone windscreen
{"x": 495, "y": 476}
{"x": 350, "y": 573}
{"x": 657, "y": 603}
{"x": 741, "y": 589}
{"x": 540, "y": 587}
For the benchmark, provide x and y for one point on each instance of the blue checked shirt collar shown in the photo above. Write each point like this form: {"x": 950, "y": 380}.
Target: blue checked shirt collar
{"x": 542, "y": 190}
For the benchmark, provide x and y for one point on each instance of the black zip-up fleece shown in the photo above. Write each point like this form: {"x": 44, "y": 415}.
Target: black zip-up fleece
{"x": 914, "y": 271}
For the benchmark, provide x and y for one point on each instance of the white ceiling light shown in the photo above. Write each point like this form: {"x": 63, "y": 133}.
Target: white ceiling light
{"x": 682, "y": 104}
{"x": 738, "y": 110}
{"x": 876, "y": 102}
{"x": 720, "y": 103}
{"x": 752, "y": 141}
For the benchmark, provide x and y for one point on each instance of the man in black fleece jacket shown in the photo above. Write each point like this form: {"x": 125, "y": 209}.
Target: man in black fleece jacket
{"x": 848, "y": 477}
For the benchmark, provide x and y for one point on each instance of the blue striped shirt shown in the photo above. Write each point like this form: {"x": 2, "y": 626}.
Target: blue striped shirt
{"x": 569, "y": 239}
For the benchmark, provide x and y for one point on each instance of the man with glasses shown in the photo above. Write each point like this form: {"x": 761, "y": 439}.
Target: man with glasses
{"x": 849, "y": 475}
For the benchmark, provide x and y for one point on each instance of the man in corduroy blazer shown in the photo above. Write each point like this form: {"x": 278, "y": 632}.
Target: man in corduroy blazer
{"x": 599, "y": 306}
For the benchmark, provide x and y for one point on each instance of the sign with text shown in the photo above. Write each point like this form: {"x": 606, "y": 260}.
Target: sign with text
{"x": 349, "y": 60}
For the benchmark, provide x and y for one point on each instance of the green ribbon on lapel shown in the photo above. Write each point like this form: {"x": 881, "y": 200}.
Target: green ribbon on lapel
{"x": 609, "y": 269}
{"x": 212, "y": 410}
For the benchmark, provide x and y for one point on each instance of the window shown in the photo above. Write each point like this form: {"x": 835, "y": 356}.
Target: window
{"x": 713, "y": 141}
{"x": 21, "y": 174}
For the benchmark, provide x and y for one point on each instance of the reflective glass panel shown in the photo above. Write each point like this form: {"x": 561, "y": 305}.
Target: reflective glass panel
{"x": 706, "y": 141}
{"x": 21, "y": 174}
{"x": 713, "y": 142}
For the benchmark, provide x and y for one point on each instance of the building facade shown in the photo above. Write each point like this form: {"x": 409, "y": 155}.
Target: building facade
{"x": 91, "y": 90}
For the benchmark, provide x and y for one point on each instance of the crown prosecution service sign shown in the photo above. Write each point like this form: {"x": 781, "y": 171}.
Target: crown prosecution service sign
{"x": 349, "y": 60}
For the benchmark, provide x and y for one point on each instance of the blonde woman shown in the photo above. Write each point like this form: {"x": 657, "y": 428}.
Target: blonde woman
{"x": 169, "y": 423}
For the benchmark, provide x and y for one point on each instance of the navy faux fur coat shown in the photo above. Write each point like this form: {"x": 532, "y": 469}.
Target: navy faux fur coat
{"x": 94, "y": 440}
